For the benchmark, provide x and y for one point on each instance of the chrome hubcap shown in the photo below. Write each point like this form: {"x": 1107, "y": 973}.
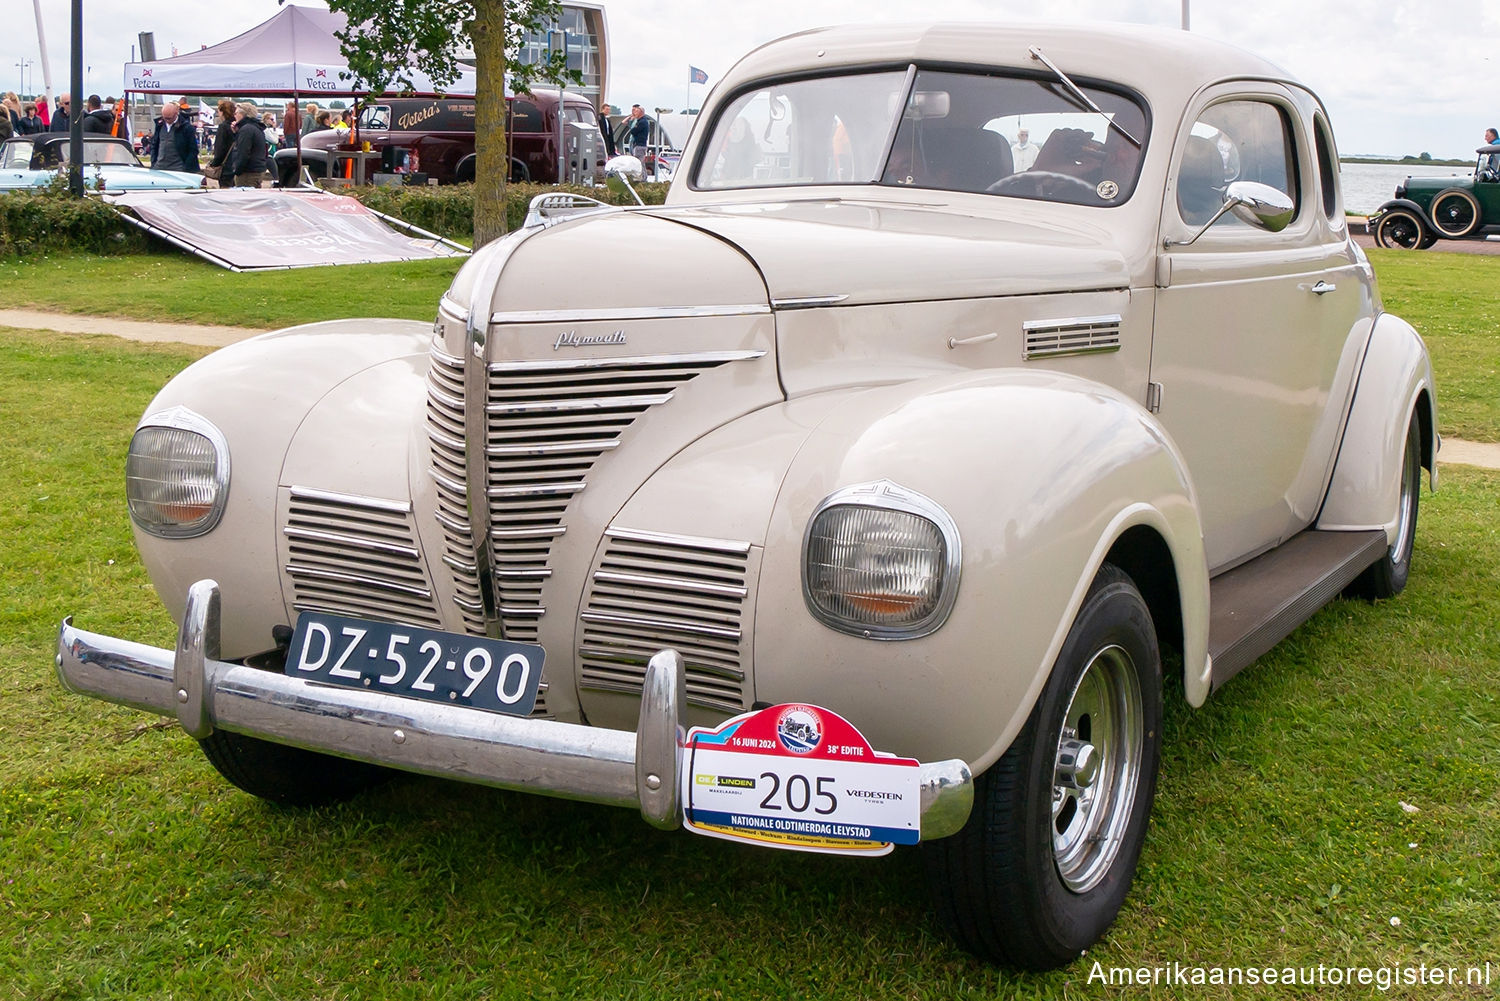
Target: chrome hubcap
{"x": 1411, "y": 483}
{"x": 1096, "y": 769}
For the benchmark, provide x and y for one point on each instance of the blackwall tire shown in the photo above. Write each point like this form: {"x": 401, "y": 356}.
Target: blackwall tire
{"x": 1454, "y": 213}
{"x": 288, "y": 776}
{"x": 1386, "y": 577}
{"x": 1402, "y": 229}
{"x": 1043, "y": 865}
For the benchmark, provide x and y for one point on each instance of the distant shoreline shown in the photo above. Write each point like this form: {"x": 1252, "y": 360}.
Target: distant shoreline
{"x": 1406, "y": 161}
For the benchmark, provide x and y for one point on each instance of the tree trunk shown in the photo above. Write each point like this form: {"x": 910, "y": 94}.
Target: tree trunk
{"x": 492, "y": 165}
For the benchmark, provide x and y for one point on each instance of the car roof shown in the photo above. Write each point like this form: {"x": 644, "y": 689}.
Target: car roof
{"x": 54, "y": 138}
{"x": 1163, "y": 64}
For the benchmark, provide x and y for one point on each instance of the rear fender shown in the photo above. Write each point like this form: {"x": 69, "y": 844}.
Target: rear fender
{"x": 1395, "y": 384}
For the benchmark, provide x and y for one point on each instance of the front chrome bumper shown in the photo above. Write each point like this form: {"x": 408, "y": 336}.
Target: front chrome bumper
{"x": 568, "y": 760}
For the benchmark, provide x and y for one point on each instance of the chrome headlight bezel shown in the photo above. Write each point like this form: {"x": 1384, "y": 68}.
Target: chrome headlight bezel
{"x": 885, "y": 495}
{"x": 182, "y": 419}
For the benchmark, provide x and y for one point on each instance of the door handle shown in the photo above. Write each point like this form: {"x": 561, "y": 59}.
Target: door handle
{"x": 1318, "y": 288}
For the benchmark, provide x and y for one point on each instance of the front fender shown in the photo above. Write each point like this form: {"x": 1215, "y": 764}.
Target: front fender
{"x": 1395, "y": 385}
{"x": 258, "y": 393}
{"x": 1042, "y": 473}
{"x": 1399, "y": 203}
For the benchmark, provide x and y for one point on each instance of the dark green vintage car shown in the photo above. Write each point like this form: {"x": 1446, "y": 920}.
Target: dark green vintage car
{"x": 1427, "y": 209}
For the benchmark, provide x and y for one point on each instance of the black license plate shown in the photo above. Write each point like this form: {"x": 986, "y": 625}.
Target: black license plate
{"x": 451, "y": 668}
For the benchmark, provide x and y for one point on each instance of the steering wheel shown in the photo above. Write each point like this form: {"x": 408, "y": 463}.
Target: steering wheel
{"x": 1042, "y": 184}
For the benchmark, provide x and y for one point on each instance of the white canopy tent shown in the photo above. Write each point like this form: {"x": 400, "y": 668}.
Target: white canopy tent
{"x": 294, "y": 54}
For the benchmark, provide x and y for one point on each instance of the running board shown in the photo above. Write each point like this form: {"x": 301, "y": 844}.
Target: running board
{"x": 1258, "y": 604}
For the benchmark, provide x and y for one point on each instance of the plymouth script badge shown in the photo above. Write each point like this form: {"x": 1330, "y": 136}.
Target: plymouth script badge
{"x": 799, "y": 777}
{"x": 573, "y": 339}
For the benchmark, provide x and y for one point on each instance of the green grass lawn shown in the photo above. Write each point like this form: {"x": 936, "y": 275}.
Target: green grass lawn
{"x": 176, "y": 287}
{"x": 129, "y": 869}
{"x": 1454, "y": 302}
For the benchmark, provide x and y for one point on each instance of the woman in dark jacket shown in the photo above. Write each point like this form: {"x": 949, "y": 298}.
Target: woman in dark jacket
{"x": 247, "y": 157}
{"x": 223, "y": 139}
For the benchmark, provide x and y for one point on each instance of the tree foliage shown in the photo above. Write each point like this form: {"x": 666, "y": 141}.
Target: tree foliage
{"x": 387, "y": 37}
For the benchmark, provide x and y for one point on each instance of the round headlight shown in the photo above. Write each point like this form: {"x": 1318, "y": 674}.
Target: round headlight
{"x": 880, "y": 561}
{"x": 177, "y": 474}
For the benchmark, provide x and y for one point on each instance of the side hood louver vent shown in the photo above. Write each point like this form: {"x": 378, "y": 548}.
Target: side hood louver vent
{"x": 1074, "y": 336}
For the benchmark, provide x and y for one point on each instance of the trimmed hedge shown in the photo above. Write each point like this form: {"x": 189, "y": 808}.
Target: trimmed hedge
{"x": 449, "y": 209}
{"x": 50, "y": 219}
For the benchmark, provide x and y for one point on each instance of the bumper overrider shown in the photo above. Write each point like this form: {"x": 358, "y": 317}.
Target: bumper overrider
{"x": 567, "y": 760}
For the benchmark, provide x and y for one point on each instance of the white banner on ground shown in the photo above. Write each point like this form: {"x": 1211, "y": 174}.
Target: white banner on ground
{"x": 255, "y": 228}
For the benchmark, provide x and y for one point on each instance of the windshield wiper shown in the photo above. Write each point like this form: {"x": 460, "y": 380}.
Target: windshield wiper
{"x": 1083, "y": 98}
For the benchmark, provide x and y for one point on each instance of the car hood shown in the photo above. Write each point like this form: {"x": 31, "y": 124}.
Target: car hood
{"x": 869, "y": 252}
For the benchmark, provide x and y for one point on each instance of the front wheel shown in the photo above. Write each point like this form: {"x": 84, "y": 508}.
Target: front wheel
{"x": 1403, "y": 229}
{"x": 1386, "y": 577}
{"x": 286, "y": 775}
{"x": 1043, "y": 865}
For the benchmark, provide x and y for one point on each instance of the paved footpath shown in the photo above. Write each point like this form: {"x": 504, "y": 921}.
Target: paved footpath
{"x": 203, "y": 335}
{"x": 1467, "y": 453}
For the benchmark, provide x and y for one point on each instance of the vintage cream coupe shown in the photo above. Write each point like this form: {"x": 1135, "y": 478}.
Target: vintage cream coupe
{"x": 920, "y": 440}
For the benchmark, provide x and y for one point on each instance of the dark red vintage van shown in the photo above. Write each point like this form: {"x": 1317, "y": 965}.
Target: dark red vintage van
{"x": 435, "y": 137}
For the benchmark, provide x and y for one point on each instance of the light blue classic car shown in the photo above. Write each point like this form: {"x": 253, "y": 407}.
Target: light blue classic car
{"x": 109, "y": 165}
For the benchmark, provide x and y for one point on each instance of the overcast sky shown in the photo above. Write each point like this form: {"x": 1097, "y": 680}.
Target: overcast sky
{"x": 1398, "y": 76}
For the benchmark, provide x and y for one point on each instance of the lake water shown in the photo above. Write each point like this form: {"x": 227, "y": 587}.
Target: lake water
{"x": 1367, "y": 185}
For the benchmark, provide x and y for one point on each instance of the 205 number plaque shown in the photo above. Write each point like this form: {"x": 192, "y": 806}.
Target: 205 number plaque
{"x": 799, "y": 777}
{"x": 451, "y": 668}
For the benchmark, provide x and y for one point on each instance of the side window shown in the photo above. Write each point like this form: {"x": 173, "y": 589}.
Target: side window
{"x": 1328, "y": 169}
{"x": 525, "y": 116}
{"x": 1235, "y": 141}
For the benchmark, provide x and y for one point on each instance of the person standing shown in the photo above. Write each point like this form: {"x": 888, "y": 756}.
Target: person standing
{"x": 310, "y": 120}
{"x": 98, "y": 120}
{"x": 61, "y": 120}
{"x": 604, "y": 127}
{"x": 639, "y": 133}
{"x": 13, "y": 112}
{"x": 223, "y": 139}
{"x": 120, "y": 125}
{"x": 1023, "y": 151}
{"x": 30, "y": 123}
{"x": 247, "y": 156}
{"x": 291, "y": 125}
{"x": 174, "y": 143}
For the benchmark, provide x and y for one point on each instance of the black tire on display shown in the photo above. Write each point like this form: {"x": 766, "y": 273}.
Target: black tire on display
{"x": 1454, "y": 213}
{"x": 1403, "y": 229}
{"x": 286, "y": 775}
{"x": 1043, "y": 865}
{"x": 1386, "y": 577}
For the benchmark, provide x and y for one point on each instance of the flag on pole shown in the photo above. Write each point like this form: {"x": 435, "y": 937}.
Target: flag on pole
{"x": 695, "y": 75}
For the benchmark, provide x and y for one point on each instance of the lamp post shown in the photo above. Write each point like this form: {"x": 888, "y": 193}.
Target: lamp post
{"x": 1186, "y": 16}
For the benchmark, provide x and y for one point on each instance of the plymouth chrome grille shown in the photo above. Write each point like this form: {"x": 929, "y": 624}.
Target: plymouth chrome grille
{"x": 1076, "y": 336}
{"x": 652, "y": 591}
{"x": 445, "y": 434}
{"x": 547, "y": 423}
{"x": 356, "y": 556}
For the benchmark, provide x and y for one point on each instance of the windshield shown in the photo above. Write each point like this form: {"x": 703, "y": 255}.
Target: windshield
{"x": 15, "y": 155}
{"x": 94, "y": 151}
{"x": 375, "y": 116}
{"x": 1017, "y": 136}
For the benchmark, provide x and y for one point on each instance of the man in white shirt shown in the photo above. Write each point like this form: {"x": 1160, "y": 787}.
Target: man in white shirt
{"x": 1023, "y": 151}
